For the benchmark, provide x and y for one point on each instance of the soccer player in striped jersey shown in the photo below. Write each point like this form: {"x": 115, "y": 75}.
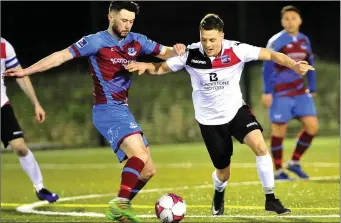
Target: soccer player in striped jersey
{"x": 286, "y": 95}
{"x": 11, "y": 132}
{"x": 109, "y": 51}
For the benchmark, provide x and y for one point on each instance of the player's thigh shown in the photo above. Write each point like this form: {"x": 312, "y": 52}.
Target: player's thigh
{"x": 119, "y": 127}
{"x": 281, "y": 109}
{"x": 11, "y": 131}
{"x": 304, "y": 106}
{"x": 133, "y": 145}
{"x": 243, "y": 123}
{"x": 219, "y": 145}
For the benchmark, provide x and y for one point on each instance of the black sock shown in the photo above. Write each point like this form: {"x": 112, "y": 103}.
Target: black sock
{"x": 270, "y": 197}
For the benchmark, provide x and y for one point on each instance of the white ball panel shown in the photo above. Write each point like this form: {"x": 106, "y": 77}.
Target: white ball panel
{"x": 166, "y": 201}
{"x": 179, "y": 209}
{"x": 166, "y": 216}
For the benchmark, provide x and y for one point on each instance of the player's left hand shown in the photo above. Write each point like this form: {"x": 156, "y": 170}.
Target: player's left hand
{"x": 302, "y": 67}
{"x": 40, "y": 113}
{"x": 179, "y": 49}
{"x": 311, "y": 93}
{"x": 14, "y": 72}
{"x": 136, "y": 66}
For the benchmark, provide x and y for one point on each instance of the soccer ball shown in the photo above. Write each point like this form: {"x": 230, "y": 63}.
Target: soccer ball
{"x": 170, "y": 208}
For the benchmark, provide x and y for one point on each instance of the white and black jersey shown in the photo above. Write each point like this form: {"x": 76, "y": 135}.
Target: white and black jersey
{"x": 216, "y": 93}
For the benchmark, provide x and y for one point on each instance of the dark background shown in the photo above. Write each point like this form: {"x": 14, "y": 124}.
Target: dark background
{"x": 37, "y": 29}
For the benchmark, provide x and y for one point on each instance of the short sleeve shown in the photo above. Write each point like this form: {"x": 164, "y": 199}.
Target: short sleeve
{"x": 177, "y": 63}
{"x": 86, "y": 46}
{"x": 149, "y": 46}
{"x": 246, "y": 52}
{"x": 11, "y": 57}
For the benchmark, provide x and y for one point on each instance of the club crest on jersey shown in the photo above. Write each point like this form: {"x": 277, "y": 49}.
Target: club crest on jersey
{"x": 131, "y": 51}
{"x": 304, "y": 46}
{"x": 82, "y": 43}
{"x": 225, "y": 59}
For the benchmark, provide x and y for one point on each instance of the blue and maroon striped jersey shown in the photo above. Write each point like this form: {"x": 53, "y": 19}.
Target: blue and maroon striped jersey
{"x": 283, "y": 81}
{"x": 107, "y": 57}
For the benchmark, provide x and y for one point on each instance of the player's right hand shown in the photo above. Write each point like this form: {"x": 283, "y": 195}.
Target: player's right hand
{"x": 136, "y": 66}
{"x": 302, "y": 67}
{"x": 14, "y": 72}
{"x": 267, "y": 100}
{"x": 179, "y": 49}
{"x": 39, "y": 113}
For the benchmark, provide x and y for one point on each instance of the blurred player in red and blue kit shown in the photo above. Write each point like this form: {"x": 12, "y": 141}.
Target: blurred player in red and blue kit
{"x": 286, "y": 96}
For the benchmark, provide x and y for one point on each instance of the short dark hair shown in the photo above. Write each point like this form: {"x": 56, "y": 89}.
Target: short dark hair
{"x": 212, "y": 21}
{"x": 290, "y": 8}
{"x": 127, "y": 5}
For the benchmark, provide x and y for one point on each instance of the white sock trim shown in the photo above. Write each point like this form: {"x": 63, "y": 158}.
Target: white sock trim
{"x": 38, "y": 187}
{"x": 218, "y": 185}
{"x": 293, "y": 162}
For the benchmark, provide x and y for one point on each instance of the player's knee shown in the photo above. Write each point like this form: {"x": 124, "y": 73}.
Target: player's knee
{"x": 260, "y": 148}
{"x": 278, "y": 129}
{"x": 150, "y": 173}
{"x": 312, "y": 129}
{"x": 224, "y": 175}
{"x": 19, "y": 147}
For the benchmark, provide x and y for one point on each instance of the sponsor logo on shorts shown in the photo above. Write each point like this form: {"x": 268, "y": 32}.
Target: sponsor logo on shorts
{"x": 277, "y": 116}
{"x": 17, "y": 133}
{"x": 133, "y": 125}
{"x": 251, "y": 124}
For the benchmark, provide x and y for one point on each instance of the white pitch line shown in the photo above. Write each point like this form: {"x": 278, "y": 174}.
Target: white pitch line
{"x": 29, "y": 208}
{"x": 252, "y": 216}
{"x": 67, "y": 166}
{"x": 100, "y": 215}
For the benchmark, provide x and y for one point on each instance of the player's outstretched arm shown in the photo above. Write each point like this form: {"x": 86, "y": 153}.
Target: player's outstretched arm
{"x": 151, "y": 68}
{"x": 178, "y": 49}
{"x": 47, "y": 63}
{"x": 301, "y": 67}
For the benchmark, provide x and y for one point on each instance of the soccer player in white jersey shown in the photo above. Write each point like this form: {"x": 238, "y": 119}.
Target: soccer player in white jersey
{"x": 215, "y": 66}
{"x": 11, "y": 133}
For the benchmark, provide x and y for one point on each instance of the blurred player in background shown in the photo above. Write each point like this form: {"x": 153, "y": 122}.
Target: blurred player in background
{"x": 11, "y": 133}
{"x": 108, "y": 52}
{"x": 215, "y": 66}
{"x": 286, "y": 96}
